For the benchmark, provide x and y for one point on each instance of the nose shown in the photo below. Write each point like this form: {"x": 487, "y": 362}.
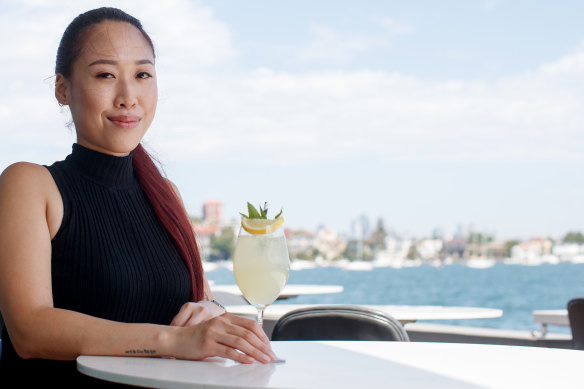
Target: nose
{"x": 125, "y": 95}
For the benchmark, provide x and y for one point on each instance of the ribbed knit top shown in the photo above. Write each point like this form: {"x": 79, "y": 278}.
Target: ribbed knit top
{"x": 111, "y": 257}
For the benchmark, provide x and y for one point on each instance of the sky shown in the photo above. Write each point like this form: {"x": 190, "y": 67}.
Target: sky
{"x": 428, "y": 115}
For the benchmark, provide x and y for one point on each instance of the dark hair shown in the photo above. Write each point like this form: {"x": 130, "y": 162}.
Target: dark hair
{"x": 71, "y": 41}
{"x": 165, "y": 201}
{"x": 172, "y": 215}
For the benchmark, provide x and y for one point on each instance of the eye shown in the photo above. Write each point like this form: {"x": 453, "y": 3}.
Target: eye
{"x": 144, "y": 75}
{"x": 105, "y": 75}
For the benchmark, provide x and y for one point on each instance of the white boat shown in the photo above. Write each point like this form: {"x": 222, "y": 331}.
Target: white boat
{"x": 479, "y": 263}
{"x": 301, "y": 264}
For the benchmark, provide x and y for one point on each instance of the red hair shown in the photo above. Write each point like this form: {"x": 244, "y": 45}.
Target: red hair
{"x": 171, "y": 213}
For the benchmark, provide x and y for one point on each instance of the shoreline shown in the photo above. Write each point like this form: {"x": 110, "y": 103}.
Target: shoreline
{"x": 345, "y": 264}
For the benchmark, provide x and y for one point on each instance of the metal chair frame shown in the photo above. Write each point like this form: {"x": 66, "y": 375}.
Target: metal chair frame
{"x": 338, "y": 322}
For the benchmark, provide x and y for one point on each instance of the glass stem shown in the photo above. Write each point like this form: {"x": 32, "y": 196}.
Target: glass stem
{"x": 261, "y": 315}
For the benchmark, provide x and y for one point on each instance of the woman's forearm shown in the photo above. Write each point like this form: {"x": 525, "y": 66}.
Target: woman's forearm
{"x": 63, "y": 335}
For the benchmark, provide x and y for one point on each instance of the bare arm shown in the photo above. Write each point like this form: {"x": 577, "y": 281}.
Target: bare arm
{"x": 30, "y": 215}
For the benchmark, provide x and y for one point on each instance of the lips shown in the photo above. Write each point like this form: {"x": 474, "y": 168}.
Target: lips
{"x": 125, "y": 121}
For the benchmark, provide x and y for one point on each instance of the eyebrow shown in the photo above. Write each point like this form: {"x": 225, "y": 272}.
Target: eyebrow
{"x": 112, "y": 62}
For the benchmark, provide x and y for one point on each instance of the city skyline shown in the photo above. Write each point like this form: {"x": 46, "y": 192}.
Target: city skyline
{"x": 427, "y": 115}
{"x": 362, "y": 226}
{"x": 378, "y": 247}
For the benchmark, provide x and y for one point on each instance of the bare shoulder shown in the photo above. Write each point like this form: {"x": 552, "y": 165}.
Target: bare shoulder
{"x": 25, "y": 168}
{"x": 28, "y": 192}
{"x": 24, "y": 176}
{"x": 27, "y": 187}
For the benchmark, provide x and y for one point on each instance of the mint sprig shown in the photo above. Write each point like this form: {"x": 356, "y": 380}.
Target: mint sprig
{"x": 253, "y": 213}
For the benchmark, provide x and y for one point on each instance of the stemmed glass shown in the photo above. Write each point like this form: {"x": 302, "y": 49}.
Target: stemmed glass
{"x": 261, "y": 265}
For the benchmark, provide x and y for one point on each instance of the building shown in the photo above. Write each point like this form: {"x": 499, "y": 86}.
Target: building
{"x": 569, "y": 252}
{"x": 213, "y": 227}
{"x": 329, "y": 244}
{"x": 300, "y": 244}
{"x": 429, "y": 249}
{"x": 395, "y": 252}
{"x": 212, "y": 212}
{"x": 533, "y": 251}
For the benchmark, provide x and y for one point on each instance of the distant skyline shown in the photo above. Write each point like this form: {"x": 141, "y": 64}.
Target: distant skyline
{"x": 425, "y": 114}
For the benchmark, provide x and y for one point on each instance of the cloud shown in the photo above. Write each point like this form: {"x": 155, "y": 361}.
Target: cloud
{"x": 571, "y": 65}
{"x": 396, "y": 27}
{"x": 208, "y": 113}
{"x": 335, "y": 48}
{"x": 288, "y": 118}
{"x": 189, "y": 34}
{"x": 490, "y": 5}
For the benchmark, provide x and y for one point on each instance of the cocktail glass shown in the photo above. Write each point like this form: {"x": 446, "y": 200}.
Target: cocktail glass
{"x": 261, "y": 265}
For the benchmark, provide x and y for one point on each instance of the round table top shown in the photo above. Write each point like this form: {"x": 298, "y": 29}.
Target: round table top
{"x": 340, "y": 365}
{"x": 403, "y": 313}
{"x": 288, "y": 291}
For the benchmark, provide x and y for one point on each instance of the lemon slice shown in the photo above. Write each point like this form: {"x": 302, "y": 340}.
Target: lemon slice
{"x": 261, "y": 226}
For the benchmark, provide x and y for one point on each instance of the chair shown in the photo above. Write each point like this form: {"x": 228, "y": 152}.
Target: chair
{"x": 338, "y": 322}
{"x": 576, "y": 316}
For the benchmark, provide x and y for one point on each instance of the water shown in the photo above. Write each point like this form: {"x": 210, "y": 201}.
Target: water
{"x": 516, "y": 289}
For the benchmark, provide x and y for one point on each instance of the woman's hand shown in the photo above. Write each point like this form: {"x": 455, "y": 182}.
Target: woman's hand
{"x": 195, "y": 313}
{"x": 227, "y": 336}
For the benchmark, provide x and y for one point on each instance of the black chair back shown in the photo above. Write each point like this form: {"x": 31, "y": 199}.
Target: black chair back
{"x": 338, "y": 322}
{"x": 576, "y": 316}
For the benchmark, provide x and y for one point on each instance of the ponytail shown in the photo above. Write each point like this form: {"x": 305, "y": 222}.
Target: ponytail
{"x": 171, "y": 213}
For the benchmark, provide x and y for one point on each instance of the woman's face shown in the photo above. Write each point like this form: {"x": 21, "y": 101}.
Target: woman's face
{"x": 112, "y": 91}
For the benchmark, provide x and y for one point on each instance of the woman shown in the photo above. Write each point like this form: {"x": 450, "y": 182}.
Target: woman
{"x": 98, "y": 256}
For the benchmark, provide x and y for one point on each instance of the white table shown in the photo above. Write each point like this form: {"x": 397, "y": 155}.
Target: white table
{"x": 288, "y": 291}
{"x": 556, "y": 317}
{"x": 403, "y": 313}
{"x": 343, "y": 365}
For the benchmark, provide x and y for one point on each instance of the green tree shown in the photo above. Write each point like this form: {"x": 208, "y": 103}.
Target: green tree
{"x": 357, "y": 250}
{"x": 351, "y": 250}
{"x": 509, "y": 245}
{"x": 574, "y": 237}
{"x": 222, "y": 246}
{"x": 309, "y": 254}
{"x": 478, "y": 238}
{"x": 412, "y": 252}
{"x": 377, "y": 239}
{"x": 195, "y": 219}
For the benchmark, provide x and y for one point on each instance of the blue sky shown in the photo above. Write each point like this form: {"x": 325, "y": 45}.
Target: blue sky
{"x": 462, "y": 39}
{"x": 426, "y": 114}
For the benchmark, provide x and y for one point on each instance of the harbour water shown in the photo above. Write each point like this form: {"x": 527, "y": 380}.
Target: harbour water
{"x": 516, "y": 289}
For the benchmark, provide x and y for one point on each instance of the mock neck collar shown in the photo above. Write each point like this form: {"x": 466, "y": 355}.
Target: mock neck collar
{"x": 106, "y": 169}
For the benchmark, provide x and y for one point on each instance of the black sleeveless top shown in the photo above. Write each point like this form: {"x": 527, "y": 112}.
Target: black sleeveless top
{"x": 111, "y": 257}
